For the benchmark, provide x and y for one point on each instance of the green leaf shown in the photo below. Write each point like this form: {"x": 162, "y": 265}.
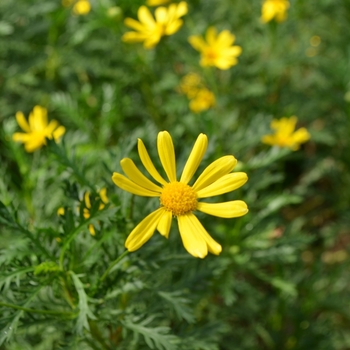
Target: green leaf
{"x": 179, "y": 304}
{"x": 84, "y": 310}
{"x": 155, "y": 338}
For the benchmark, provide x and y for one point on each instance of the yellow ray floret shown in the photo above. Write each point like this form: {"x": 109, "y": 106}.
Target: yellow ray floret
{"x": 274, "y": 9}
{"x": 285, "y": 134}
{"x": 37, "y": 129}
{"x": 216, "y": 50}
{"x": 149, "y": 29}
{"x": 178, "y": 198}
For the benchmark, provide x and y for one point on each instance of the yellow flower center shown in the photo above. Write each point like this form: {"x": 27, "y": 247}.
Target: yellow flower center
{"x": 178, "y": 198}
{"x": 211, "y": 54}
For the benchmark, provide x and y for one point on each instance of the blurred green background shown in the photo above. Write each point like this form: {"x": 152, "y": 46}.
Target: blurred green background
{"x": 282, "y": 280}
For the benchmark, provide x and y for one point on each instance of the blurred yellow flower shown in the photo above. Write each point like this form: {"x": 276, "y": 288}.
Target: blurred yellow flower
{"x": 190, "y": 84}
{"x": 82, "y": 7}
{"x": 156, "y": 2}
{"x": 217, "y": 50}
{"x": 285, "y": 134}
{"x": 200, "y": 97}
{"x": 202, "y": 101}
{"x": 274, "y": 9}
{"x": 37, "y": 129}
{"x": 86, "y": 210}
{"x": 149, "y": 30}
{"x": 178, "y": 198}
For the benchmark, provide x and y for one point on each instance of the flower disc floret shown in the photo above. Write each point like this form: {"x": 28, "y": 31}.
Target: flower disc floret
{"x": 178, "y": 198}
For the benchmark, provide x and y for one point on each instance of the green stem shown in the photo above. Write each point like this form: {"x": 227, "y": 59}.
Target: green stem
{"x": 115, "y": 262}
{"x": 71, "y": 236}
{"x": 43, "y": 312}
{"x": 104, "y": 276}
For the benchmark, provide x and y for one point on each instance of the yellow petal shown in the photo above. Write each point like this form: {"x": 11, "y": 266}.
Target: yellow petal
{"x": 197, "y": 236}
{"x": 215, "y": 171}
{"x": 191, "y": 238}
{"x": 133, "y": 37}
{"x": 225, "y": 184}
{"x": 231, "y": 209}
{"x": 51, "y": 127}
{"x": 182, "y": 9}
{"x": 145, "y": 17}
{"x": 38, "y": 118}
{"x": 87, "y": 200}
{"x": 22, "y": 122}
{"x": 103, "y": 195}
{"x": 167, "y": 154}
{"x": 136, "y": 176}
{"x": 151, "y": 41}
{"x": 210, "y": 36}
{"x": 132, "y": 23}
{"x": 21, "y": 137}
{"x": 233, "y": 51}
{"x": 225, "y": 39}
{"x": 59, "y": 132}
{"x": 34, "y": 143}
{"x": 165, "y": 224}
{"x": 173, "y": 27}
{"x": 161, "y": 15}
{"x": 92, "y": 230}
{"x": 129, "y": 186}
{"x": 144, "y": 230}
{"x": 269, "y": 140}
{"x": 197, "y": 42}
{"x": 301, "y": 136}
{"x": 147, "y": 162}
{"x": 195, "y": 158}
{"x": 156, "y": 2}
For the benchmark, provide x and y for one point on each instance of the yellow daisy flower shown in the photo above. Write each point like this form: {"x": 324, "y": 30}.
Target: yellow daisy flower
{"x": 82, "y": 7}
{"x": 37, "y": 129}
{"x": 217, "y": 50}
{"x": 203, "y": 100}
{"x": 274, "y": 9}
{"x": 190, "y": 84}
{"x": 149, "y": 30}
{"x": 156, "y": 2}
{"x": 285, "y": 134}
{"x": 178, "y": 198}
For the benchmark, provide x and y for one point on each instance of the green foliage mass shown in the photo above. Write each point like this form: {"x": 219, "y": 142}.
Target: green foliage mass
{"x": 282, "y": 279}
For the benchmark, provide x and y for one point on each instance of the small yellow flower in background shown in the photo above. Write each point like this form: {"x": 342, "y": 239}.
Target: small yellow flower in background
{"x": 274, "y": 9}
{"x": 201, "y": 98}
{"x": 80, "y": 7}
{"x": 178, "y": 198}
{"x": 217, "y": 50}
{"x": 37, "y": 129}
{"x": 202, "y": 101}
{"x": 149, "y": 30}
{"x": 285, "y": 134}
{"x": 190, "y": 84}
{"x": 156, "y": 2}
{"x": 60, "y": 211}
{"x": 86, "y": 210}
